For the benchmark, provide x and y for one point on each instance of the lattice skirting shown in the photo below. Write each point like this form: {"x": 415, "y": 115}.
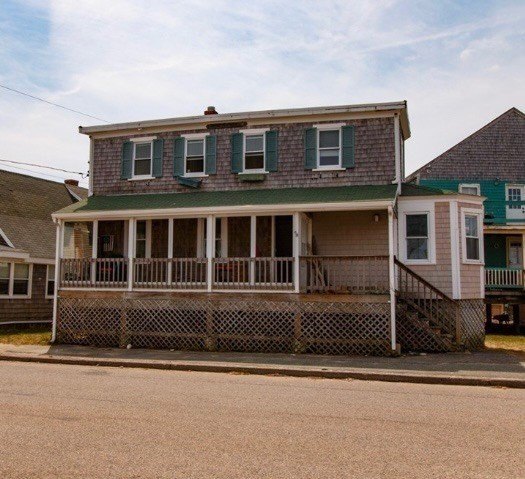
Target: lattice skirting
{"x": 473, "y": 323}
{"x": 227, "y": 325}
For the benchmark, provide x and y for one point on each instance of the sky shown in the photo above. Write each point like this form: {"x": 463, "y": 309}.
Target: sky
{"x": 459, "y": 64}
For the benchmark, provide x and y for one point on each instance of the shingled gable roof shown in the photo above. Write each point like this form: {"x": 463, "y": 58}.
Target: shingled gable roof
{"x": 26, "y": 204}
{"x": 495, "y": 151}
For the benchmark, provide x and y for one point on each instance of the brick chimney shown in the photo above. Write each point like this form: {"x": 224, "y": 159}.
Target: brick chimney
{"x": 71, "y": 182}
{"x": 210, "y": 111}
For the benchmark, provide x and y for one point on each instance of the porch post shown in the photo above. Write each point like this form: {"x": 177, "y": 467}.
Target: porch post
{"x": 170, "y": 250}
{"x": 296, "y": 233}
{"x": 94, "y": 253}
{"x": 210, "y": 248}
{"x": 131, "y": 251}
{"x": 392, "y": 278}
{"x": 523, "y": 259}
{"x": 58, "y": 257}
{"x": 253, "y": 247}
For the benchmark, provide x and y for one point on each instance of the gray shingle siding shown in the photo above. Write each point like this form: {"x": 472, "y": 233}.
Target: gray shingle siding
{"x": 374, "y": 161}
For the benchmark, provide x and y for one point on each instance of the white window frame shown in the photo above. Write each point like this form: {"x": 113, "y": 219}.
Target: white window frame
{"x": 254, "y": 132}
{"x": 470, "y": 185}
{"x": 48, "y": 278}
{"x": 479, "y": 216}
{"x": 417, "y": 208}
{"x": 329, "y": 127}
{"x": 192, "y": 137}
{"x": 11, "y": 294}
{"x": 147, "y": 239}
{"x": 136, "y": 142}
{"x": 507, "y": 195}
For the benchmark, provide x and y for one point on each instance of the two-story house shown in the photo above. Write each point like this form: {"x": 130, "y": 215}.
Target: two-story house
{"x": 491, "y": 163}
{"x": 281, "y": 230}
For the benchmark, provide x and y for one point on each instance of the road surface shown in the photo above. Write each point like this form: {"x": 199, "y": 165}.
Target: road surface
{"x": 64, "y": 422}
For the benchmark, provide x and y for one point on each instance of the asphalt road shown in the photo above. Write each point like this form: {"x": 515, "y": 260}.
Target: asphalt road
{"x": 61, "y": 421}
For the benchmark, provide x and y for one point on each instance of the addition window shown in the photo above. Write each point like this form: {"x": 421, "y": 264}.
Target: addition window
{"x": 469, "y": 189}
{"x": 5, "y": 274}
{"x": 21, "y": 279}
{"x": 472, "y": 237}
{"x": 329, "y": 155}
{"x": 142, "y": 153}
{"x": 254, "y": 152}
{"x": 50, "y": 281}
{"x": 417, "y": 236}
{"x": 195, "y": 151}
{"x": 15, "y": 280}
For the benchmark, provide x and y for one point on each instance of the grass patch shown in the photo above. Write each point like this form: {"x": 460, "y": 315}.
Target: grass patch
{"x": 505, "y": 342}
{"x": 25, "y": 334}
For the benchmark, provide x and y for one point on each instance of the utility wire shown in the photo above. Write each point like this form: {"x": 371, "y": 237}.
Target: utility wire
{"x": 51, "y": 103}
{"x": 35, "y": 172}
{"x": 43, "y": 166}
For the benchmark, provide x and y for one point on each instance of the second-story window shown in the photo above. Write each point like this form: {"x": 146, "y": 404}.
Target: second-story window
{"x": 194, "y": 157}
{"x": 329, "y": 148}
{"x": 417, "y": 236}
{"x": 142, "y": 159}
{"x": 254, "y": 152}
{"x": 469, "y": 189}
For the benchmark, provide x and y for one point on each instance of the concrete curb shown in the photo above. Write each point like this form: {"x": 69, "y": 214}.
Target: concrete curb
{"x": 275, "y": 371}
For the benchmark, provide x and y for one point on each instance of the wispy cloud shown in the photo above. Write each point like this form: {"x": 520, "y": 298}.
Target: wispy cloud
{"x": 457, "y": 64}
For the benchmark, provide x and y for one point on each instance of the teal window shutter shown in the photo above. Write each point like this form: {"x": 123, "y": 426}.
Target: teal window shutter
{"x": 347, "y": 159}
{"x": 236, "y": 154}
{"x": 179, "y": 145}
{"x": 158, "y": 150}
{"x": 271, "y": 154}
{"x": 126, "y": 170}
{"x": 310, "y": 148}
{"x": 210, "y": 167}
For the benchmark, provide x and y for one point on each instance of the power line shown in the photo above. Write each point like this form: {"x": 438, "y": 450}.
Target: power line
{"x": 51, "y": 103}
{"x": 33, "y": 171}
{"x": 42, "y": 166}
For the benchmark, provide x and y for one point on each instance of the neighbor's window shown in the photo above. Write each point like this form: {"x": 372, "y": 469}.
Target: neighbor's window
{"x": 254, "y": 152}
{"x": 194, "y": 157}
{"x": 417, "y": 236}
{"x": 141, "y": 240}
{"x": 469, "y": 189}
{"x": 21, "y": 279}
{"x": 142, "y": 159}
{"x": 514, "y": 194}
{"x": 329, "y": 148}
{"x": 472, "y": 237}
{"x": 50, "y": 283}
{"x": 4, "y": 278}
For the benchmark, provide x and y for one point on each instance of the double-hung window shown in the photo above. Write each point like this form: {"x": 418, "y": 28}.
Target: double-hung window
{"x": 254, "y": 153}
{"x": 471, "y": 242}
{"x": 195, "y": 152}
{"x": 15, "y": 280}
{"x": 514, "y": 194}
{"x": 5, "y": 275}
{"x": 142, "y": 154}
{"x": 329, "y": 154}
{"x": 417, "y": 236}
{"x": 469, "y": 189}
{"x": 50, "y": 281}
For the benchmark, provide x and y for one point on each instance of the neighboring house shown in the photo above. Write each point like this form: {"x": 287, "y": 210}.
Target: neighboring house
{"x": 27, "y": 244}
{"x": 491, "y": 163}
{"x": 267, "y": 231}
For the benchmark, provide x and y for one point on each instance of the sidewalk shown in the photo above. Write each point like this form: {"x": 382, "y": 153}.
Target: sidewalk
{"x": 488, "y": 368}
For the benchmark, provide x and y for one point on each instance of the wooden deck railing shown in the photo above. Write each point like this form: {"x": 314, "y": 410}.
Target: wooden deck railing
{"x": 170, "y": 273}
{"x": 504, "y": 278}
{"x": 429, "y": 302}
{"x": 253, "y": 273}
{"x": 94, "y": 272}
{"x": 344, "y": 274}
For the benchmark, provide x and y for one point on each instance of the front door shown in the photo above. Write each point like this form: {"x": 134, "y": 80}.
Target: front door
{"x": 515, "y": 254}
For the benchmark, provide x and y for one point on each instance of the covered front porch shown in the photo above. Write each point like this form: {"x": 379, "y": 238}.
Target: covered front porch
{"x": 291, "y": 252}
{"x": 504, "y": 259}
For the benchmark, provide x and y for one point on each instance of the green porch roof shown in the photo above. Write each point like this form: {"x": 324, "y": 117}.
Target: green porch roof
{"x": 255, "y": 197}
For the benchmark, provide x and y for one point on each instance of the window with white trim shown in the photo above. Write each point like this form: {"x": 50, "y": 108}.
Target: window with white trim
{"x": 469, "y": 189}
{"x": 15, "y": 280}
{"x": 329, "y": 148}
{"x": 472, "y": 237}
{"x": 50, "y": 281}
{"x": 142, "y": 159}
{"x": 254, "y": 152}
{"x": 514, "y": 194}
{"x": 417, "y": 236}
{"x": 141, "y": 239}
{"x": 195, "y": 153}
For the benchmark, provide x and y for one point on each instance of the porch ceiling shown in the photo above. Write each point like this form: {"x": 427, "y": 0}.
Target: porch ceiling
{"x": 236, "y": 198}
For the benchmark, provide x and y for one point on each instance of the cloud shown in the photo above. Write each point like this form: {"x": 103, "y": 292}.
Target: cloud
{"x": 458, "y": 65}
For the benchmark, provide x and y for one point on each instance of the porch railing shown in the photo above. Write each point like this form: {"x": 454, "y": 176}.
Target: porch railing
{"x": 504, "y": 278}
{"x": 170, "y": 273}
{"x": 253, "y": 273}
{"x": 344, "y": 274}
{"x": 94, "y": 272}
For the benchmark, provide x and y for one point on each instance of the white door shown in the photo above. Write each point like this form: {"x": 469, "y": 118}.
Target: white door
{"x": 515, "y": 254}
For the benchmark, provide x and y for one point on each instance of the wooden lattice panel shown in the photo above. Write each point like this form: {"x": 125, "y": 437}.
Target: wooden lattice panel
{"x": 472, "y": 323}
{"x": 255, "y": 325}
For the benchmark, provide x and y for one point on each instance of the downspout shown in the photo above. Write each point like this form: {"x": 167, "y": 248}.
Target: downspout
{"x": 397, "y": 153}
{"x": 91, "y": 158}
{"x": 58, "y": 249}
